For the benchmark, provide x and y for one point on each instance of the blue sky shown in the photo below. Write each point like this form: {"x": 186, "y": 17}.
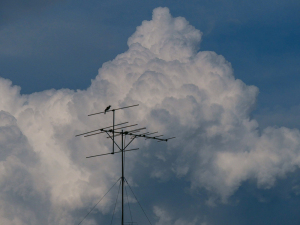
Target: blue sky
{"x": 61, "y": 45}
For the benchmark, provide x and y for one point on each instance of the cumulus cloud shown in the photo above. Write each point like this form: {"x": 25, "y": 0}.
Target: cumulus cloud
{"x": 182, "y": 92}
{"x": 22, "y": 186}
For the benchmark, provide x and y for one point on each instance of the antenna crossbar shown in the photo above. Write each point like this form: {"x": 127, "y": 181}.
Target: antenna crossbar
{"x": 154, "y": 136}
{"x": 129, "y": 132}
{"x": 99, "y": 129}
{"x": 112, "y": 153}
{"x": 125, "y": 127}
{"x": 134, "y": 131}
{"x": 113, "y": 110}
{"x": 150, "y": 133}
{"x": 168, "y": 139}
{"x": 135, "y": 135}
{"x": 148, "y": 137}
{"x": 103, "y": 131}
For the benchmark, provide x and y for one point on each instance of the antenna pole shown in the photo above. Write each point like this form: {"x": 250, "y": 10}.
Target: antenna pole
{"x": 114, "y": 132}
{"x": 122, "y": 179}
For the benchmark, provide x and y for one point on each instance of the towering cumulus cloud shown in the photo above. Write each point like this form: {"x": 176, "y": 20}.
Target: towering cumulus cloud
{"x": 183, "y": 92}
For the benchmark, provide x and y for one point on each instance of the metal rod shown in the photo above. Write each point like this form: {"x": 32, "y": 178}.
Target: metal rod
{"x": 122, "y": 179}
{"x": 92, "y": 156}
{"x": 131, "y": 149}
{"x": 129, "y": 142}
{"x": 111, "y": 139}
{"x": 144, "y": 136}
{"x": 141, "y": 135}
{"x": 113, "y": 131}
{"x": 135, "y": 130}
{"x": 166, "y": 139}
{"x": 170, "y": 138}
{"x": 130, "y": 132}
{"x": 114, "y": 109}
{"x": 154, "y": 136}
{"x": 98, "y": 129}
{"x": 98, "y": 155}
{"x": 106, "y": 130}
{"x": 126, "y": 126}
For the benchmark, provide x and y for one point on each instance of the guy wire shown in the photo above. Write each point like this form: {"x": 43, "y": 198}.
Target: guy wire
{"x": 128, "y": 204}
{"x": 98, "y": 202}
{"x": 112, "y": 218}
{"x": 138, "y": 202}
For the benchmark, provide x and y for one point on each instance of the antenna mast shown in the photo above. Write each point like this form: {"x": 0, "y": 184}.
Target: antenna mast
{"x": 112, "y": 132}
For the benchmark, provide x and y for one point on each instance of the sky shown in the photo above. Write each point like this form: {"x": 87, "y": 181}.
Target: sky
{"x": 222, "y": 77}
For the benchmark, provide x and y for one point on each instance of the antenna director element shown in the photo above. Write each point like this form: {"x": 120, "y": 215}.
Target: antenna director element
{"x": 108, "y": 107}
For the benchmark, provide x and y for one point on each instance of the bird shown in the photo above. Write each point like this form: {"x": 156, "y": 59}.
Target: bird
{"x": 107, "y": 108}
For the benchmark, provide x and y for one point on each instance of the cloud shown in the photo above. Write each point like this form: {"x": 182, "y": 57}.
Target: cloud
{"x": 22, "y": 186}
{"x": 182, "y": 92}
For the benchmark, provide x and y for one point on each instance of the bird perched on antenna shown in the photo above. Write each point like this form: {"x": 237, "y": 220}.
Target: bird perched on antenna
{"x": 107, "y": 108}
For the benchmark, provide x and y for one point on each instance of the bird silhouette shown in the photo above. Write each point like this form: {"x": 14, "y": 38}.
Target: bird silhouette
{"x": 107, "y": 108}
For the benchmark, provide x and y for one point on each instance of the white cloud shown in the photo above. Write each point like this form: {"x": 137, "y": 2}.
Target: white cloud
{"x": 22, "y": 186}
{"x": 184, "y": 93}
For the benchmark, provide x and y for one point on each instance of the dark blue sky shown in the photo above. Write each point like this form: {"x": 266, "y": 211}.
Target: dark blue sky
{"x": 62, "y": 44}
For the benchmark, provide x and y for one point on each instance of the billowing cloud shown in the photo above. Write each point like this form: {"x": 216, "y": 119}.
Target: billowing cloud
{"x": 182, "y": 92}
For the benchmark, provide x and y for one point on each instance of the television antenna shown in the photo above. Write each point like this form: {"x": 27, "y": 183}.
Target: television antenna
{"x": 121, "y": 130}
